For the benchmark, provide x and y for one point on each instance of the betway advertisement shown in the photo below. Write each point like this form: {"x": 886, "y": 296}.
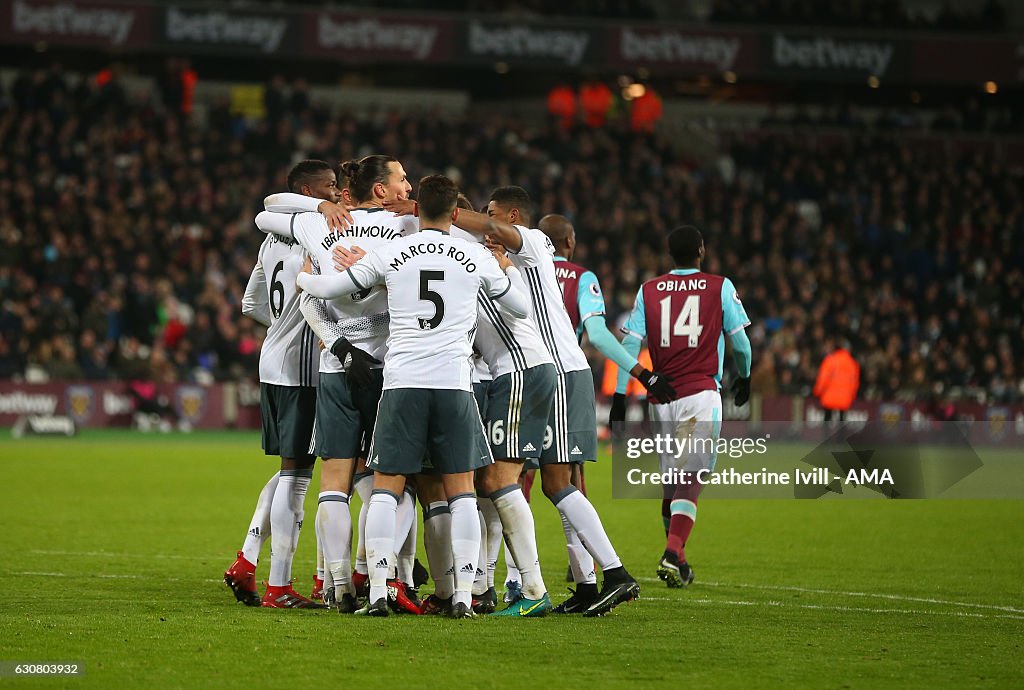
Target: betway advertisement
{"x": 678, "y": 49}
{"x": 556, "y": 45}
{"x": 239, "y": 30}
{"x": 814, "y": 56}
{"x": 367, "y": 37}
{"x": 100, "y": 24}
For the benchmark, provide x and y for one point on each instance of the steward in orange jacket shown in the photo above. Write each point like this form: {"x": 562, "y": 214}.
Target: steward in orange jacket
{"x": 837, "y": 384}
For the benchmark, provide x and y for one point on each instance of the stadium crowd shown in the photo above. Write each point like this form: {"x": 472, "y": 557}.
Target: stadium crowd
{"x": 127, "y": 237}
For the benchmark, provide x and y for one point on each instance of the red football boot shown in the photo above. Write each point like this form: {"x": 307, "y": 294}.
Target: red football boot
{"x": 361, "y": 584}
{"x": 318, "y": 589}
{"x": 400, "y": 600}
{"x": 285, "y": 597}
{"x": 241, "y": 578}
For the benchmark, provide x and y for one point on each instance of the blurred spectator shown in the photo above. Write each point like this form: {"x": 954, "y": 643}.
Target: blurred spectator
{"x": 562, "y": 105}
{"x": 645, "y": 111}
{"x": 596, "y": 102}
{"x": 127, "y": 238}
{"x": 838, "y": 382}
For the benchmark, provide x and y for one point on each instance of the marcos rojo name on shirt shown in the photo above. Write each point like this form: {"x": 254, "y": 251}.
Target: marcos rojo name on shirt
{"x": 439, "y": 248}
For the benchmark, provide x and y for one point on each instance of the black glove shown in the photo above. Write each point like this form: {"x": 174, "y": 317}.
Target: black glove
{"x": 657, "y": 385}
{"x": 356, "y": 362}
{"x": 741, "y": 389}
{"x": 618, "y": 411}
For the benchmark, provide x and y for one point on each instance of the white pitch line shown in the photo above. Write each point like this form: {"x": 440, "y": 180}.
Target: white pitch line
{"x": 819, "y": 607}
{"x": 689, "y": 600}
{"x": 834, "y": 592}
{"x": 110, "y": 576}
{"x": 778, "y": 588}
{"x": 113, "y": 554}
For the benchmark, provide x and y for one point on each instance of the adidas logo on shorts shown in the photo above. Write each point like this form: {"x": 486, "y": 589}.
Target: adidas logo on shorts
{"x": 575, "y": 451}
{"x": 528, "y": 447}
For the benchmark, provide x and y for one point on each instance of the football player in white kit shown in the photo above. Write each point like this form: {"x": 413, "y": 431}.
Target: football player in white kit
{"x": 354, "y": 330}
{"x": 572, "y": 423}
{"x": 428, "y": 408}
{"x": 288, "y": 379}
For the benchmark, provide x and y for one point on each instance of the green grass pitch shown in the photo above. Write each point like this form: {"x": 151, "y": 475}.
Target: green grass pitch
{"x": 114, "y": 545}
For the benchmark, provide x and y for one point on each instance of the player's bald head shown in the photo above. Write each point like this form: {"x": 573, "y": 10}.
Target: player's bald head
{"x": 557, "y": 227}
{"x": 561, "y": 233}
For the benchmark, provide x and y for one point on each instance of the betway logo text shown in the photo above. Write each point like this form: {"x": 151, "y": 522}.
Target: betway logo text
{"x": 222, "y": 28}
{"x": 528, "y": 42}
{"x": 416, "y": 40}
{"x": 679, "y": 48}
{"x": 66, "y": 19}
{"x": 20, "y": 402}
{"x": 869, "y": 57}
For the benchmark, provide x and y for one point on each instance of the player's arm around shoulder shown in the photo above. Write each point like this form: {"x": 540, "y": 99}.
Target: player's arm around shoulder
{"x": 503, "y": 282}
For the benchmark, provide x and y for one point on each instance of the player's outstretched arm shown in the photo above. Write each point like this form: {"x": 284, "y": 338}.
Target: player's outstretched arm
{"x": 290, "y": 202}
{"x": 279, "y": 224}
{"x": 479, "y": 224}
{"x": 328, "y": 287}
{"x": 255, "y": 300}
{"x": 607, "y": 344}
{"x": 337, "y": 215}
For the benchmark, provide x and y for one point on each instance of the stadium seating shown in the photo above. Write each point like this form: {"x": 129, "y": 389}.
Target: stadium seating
{"x": 126, "y": 242}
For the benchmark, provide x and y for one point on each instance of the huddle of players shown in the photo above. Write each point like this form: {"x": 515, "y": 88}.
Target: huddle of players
{"x": 447, "y": 298}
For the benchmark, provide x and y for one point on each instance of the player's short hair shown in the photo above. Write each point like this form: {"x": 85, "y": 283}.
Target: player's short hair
{"x": 339, "y": 172}
{"x": 306, "y": 172}
{"x": 437, "y": 197}
{"x": 512, "y": 196}
{"x": 464, "y": 203}
{"x": 366, "y": 172}
{"x": 684, "y": 244}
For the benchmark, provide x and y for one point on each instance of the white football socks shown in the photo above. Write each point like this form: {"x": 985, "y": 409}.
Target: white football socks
{"x": 493, "y": 536}
{"x": 465, "y": 545}
{"x": 437, "y": 542}
{"x": 480, "y": 580}
{"x": 259, "y": 526}
{"x": 334, "y": 525}
{"x": 363, "y": 486}
{"x": 405, "y": 536}
{"x": 380, "y": 541}
{"x": 580, "y": 561}
{"x": 286, "y": 515}
{"x": 511, "y": 571}
{"x": 520, "y": 534}
{"x": 580, "y": 514}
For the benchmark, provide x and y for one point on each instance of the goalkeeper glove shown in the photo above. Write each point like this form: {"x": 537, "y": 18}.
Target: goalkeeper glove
{"x": 657, "y": 386}
{"x": 741, "y": 389}
{"x": 356, "y": 362}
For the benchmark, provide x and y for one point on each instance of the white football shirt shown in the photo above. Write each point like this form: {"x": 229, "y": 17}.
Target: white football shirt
{"x": 371, "y": 228}
{"x": 432, "y": 282}
{"x": 536, "y": 259}
{"x": 290, "y": 353}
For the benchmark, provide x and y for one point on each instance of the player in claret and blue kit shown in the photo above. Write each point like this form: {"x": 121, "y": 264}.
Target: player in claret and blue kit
{"x": 685, "y": 315}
